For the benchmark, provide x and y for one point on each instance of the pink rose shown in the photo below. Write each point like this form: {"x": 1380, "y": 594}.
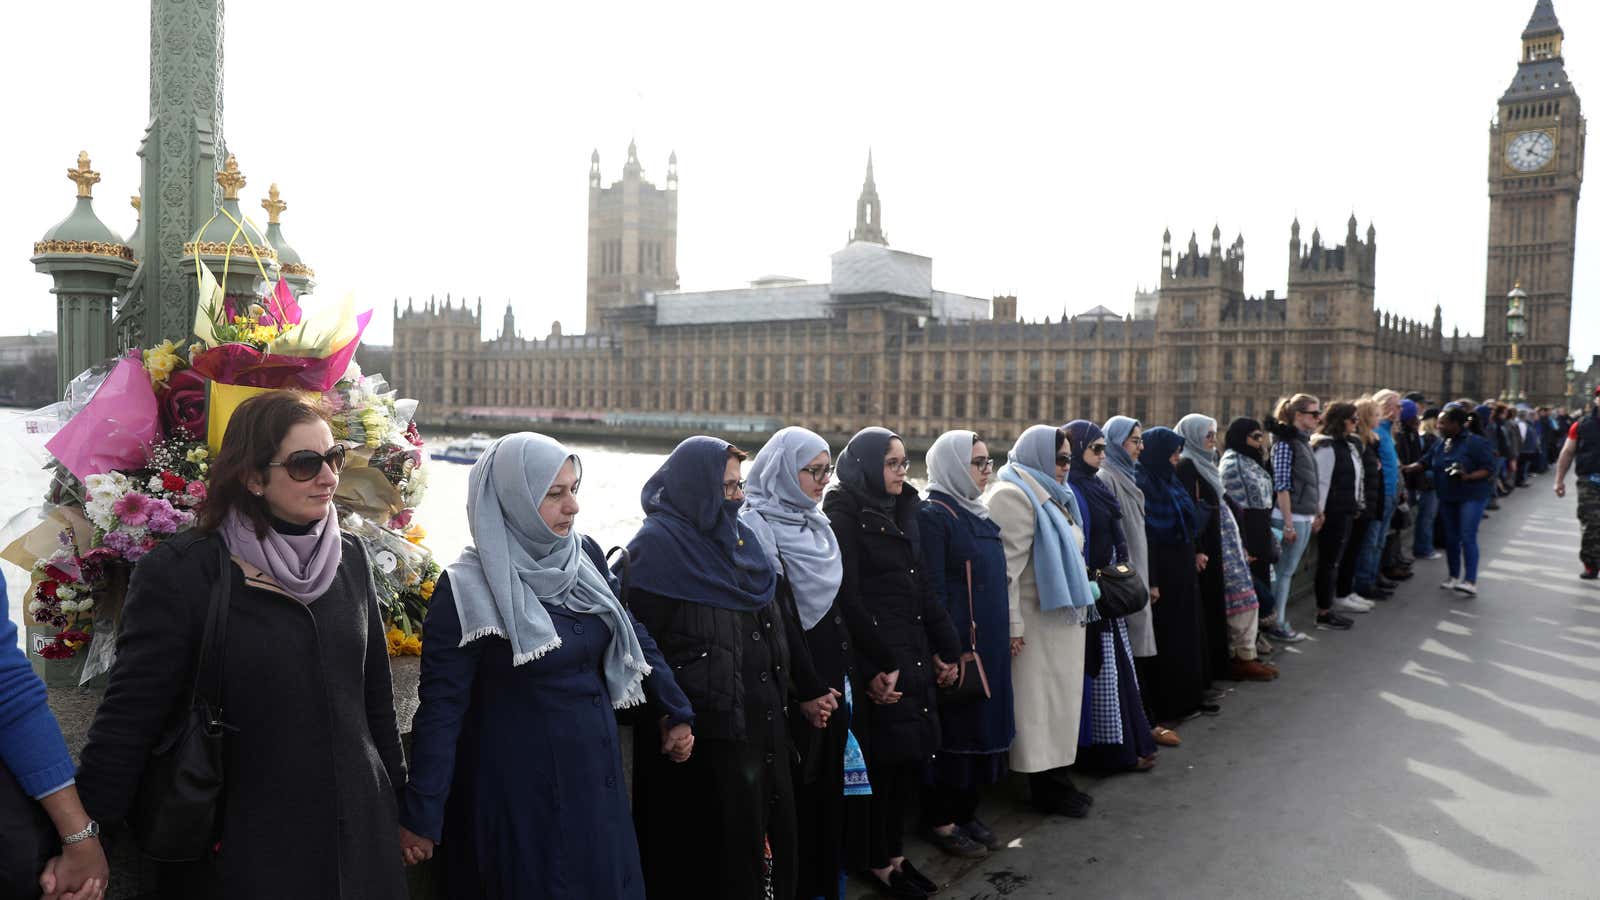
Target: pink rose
{"x": 183, "y": 403}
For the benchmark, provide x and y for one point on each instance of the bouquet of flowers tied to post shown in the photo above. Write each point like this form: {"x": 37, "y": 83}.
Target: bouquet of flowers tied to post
{"x": 129, "y": 452}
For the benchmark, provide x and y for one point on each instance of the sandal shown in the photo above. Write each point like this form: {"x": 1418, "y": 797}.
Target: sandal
{"x": 1145, "y": 763}
{"x": 1166, "y": 737}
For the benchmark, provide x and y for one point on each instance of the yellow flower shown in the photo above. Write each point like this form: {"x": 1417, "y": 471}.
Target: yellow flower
{"x": 415, "y": 533}
{"x": 397, "y": 640}
{"x": 427, "y": 589}
{"x": 197, "y": 455}
{"x": 160, "y": 361}
{"x": 411, "y": 647}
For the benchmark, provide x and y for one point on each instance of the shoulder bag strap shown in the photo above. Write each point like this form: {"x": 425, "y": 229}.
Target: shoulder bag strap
{"x": 972, "y": 617}
{"x": 208, "y": 671}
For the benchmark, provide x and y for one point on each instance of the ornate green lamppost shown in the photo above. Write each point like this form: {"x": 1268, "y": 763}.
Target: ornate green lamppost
{"x": 1516, "y": 330}
{"x": 91, "y": 267}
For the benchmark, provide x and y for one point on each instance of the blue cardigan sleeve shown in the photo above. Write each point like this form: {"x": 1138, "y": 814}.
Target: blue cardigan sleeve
{"x": 31, "y": 746}
{"x": 445, "y": 692}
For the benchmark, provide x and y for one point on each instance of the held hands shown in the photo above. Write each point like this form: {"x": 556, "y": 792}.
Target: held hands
{"x": 79, "y": 873}
{"x": 1316, "y": 524}
{"x": 1155, "y": 594}
{"x": 414, "y": 848}
{"x": 881, "y": 688}
{"x": 1200, "y": 560}
{"x": 1018, "y": 643}
{"x": 817, "y": 711}
{"x": 677, "y": 742}
{"x": 945, "y": 674}
{"x": 1289, "y": 534}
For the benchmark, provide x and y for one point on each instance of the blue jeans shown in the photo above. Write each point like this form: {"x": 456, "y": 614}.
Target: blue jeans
{"x": 1461, "y": 518}
{"x": 1372, "y": 547}
{"x": 1289, "y": 555}
{"x": 1425, "y": 511}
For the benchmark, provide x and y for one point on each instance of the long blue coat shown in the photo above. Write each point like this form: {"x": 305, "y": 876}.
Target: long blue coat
{"x": 517, "y": 769}
{"x": 974, "y": 734}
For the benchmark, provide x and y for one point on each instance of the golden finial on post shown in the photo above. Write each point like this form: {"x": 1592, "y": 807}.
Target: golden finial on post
{"x": 137, "y": 203}
{"x": 85, "y": 177}
{"x": 230, "y": 178}
{"x": 274, "y": 204}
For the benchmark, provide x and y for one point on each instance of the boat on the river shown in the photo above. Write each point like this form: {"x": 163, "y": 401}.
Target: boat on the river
{"x": 464, "y": 450}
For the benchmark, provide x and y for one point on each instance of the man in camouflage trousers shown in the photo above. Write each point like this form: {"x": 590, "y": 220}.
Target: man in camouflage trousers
{"x": 1582, "y": 451}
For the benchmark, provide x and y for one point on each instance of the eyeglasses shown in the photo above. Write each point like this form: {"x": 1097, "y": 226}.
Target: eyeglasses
{"x": 1063, "y": 460}
{"x": 1313, "y": 413}
{"x": 1098, "y": 448}
{"x": 820, "y": 473}
{"x": 304, "y": 465}
{"x": 983, "y": 463}
{"x": 899, "y": 465}
{"x": 1137, "y": 441}
{"x": 729, "y": 488}
{"x": 1257, "y": 435}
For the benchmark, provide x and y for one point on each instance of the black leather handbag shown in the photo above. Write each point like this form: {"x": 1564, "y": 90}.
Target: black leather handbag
{"x": 1122, "y": 591}
{"x": 177, "y": 809}
{"x": 972, "y": 682}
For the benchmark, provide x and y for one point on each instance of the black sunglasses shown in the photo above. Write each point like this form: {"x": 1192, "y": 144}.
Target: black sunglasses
{"x": 303, "y": 465}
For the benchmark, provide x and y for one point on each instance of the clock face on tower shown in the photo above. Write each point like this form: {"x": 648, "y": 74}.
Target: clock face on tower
{"x": 1530, "y": 151}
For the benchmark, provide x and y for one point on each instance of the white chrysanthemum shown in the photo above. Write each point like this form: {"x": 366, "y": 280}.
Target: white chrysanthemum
{"x": 154, "y": 483}
{"x": 65, "y": 592}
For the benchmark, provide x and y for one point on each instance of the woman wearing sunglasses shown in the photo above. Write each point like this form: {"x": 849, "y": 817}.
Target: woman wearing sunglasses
{"x": 527, "y": 651}
{"x": 1050, "y": 599}
{"x": 967, "y": 568}
{"x": 312, "y": 755}
{"x": 1118, "y": 737}
{"x": 721, "y": 825}
{"x": 897, "y": 626}
{"x": 781, "y": 506}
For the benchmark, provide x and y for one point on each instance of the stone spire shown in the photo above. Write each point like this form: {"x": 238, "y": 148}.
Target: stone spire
{"x": 1543, "y": 22}
{"x": 869, "y": 211}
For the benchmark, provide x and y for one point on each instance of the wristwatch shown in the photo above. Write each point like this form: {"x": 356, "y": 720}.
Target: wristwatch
{"x": 90, "y": 830}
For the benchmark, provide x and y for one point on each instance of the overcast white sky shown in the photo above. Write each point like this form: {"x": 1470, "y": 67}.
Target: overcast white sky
{"x": 1035, "y": 149}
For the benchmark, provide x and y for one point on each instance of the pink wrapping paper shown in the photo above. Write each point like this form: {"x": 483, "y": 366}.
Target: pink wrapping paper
{"x": 248, "y": 367}
{"x": 115, "y": 429}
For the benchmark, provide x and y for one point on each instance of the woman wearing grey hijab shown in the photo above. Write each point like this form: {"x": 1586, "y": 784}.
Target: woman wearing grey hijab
{"x": 783, "y": 493}
{"x": 1228, "y": 594}
{"x": 966, "y": 565}
{"x": 526, "y": 653}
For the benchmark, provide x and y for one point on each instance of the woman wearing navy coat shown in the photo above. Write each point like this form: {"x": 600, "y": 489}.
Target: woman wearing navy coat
{"x": 958, "y": 539}
{"x": 516, "y": 772}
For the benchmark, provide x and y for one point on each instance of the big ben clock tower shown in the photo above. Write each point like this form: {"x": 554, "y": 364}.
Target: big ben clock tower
{"x": 1535, "y": 172}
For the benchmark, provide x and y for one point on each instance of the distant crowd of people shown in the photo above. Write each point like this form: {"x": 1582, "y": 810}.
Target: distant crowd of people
{"x": 810, "y": 651}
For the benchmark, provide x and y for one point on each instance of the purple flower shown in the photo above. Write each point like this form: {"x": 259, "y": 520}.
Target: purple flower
{"x": 133, "y": 508}
{"x": 164, "y": 519}
{"x": 121, "y": 542}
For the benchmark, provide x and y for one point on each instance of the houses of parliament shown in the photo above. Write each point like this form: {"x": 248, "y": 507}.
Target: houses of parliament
{"x": 878, "y": 344}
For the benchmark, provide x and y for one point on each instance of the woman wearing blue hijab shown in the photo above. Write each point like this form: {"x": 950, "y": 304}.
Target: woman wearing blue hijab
{"x": 1172, "y": 526}
{"x": 1115, "y": 736}
{"x": 527, "y": 653}
{"x": 701, "y": 582}
{"x": 1050, "y": 600}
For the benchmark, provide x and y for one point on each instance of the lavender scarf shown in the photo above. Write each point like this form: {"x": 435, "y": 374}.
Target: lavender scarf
{"x": 302, "y": 564}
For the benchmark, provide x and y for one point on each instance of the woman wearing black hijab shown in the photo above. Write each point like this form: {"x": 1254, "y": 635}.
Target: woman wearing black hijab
{"x": 700, "y": 581}
{"x": 898, "y": 624}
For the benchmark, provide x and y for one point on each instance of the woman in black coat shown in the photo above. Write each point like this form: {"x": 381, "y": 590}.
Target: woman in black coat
{"x": 786, "y": 484}
{"x": 722, "y": 824}
{"x": 515, "y": 760}
{"x": 898, "y": 624}
{"x": 313, "y": 758}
